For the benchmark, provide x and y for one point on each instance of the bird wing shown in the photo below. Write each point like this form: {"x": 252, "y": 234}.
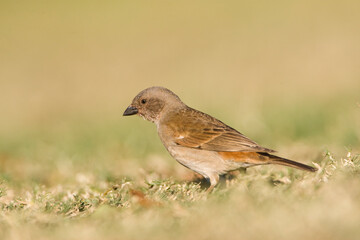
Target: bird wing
{"x": 195, "y": 129}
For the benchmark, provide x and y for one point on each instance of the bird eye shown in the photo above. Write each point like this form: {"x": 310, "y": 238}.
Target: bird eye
{"x": 143, "y": 101}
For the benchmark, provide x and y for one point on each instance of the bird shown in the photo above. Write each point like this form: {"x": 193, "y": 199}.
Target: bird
{"x": 199, "y": 141}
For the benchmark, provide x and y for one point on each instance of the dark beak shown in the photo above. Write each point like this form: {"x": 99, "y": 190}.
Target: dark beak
{"x": 130, "y": 111}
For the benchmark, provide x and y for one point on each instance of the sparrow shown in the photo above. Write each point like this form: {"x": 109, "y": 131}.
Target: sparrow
{"x": 199, "y": 141}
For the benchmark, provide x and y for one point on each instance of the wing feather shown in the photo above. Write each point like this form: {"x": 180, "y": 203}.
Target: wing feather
{"x": 195, "y": 129}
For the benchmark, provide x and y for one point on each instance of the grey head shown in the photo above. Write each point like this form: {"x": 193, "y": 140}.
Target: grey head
{"x": 152, "y": 102}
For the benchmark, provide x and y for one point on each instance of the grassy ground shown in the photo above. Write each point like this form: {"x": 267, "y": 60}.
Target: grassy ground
{"x": 284, "y": 73}
{"x": 262, "y": 203}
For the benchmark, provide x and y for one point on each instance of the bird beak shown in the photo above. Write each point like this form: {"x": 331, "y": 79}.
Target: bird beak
{"x": 130, "y": 111}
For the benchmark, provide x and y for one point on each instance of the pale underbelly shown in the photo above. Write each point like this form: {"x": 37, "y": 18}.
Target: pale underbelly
{"x": 204, "y": 162}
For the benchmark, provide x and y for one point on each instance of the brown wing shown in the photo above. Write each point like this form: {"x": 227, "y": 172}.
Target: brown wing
{"x": 195, "y": 129}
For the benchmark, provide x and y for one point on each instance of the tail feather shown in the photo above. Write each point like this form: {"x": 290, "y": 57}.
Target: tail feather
{"x": 289, "y": 163}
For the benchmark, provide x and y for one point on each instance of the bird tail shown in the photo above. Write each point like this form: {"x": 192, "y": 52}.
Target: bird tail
{"x": 289, "y": 163}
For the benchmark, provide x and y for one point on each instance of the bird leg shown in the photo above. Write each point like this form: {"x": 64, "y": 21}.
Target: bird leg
{"x": 214, "y": 179}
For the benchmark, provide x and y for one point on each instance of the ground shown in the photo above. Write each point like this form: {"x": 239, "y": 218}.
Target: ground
{"x": 74, "y": 202}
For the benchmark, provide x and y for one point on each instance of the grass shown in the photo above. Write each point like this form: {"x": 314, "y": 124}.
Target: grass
{"x": 262, "y": 203}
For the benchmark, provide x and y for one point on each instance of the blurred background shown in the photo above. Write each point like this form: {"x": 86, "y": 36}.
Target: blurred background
{"x": 284, "y": 73}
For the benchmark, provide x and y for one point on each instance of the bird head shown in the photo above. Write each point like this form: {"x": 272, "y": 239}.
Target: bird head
{"x": 152, "y": 102}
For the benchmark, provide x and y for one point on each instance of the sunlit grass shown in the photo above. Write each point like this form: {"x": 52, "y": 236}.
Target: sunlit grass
{"x": 261, "y": 199}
